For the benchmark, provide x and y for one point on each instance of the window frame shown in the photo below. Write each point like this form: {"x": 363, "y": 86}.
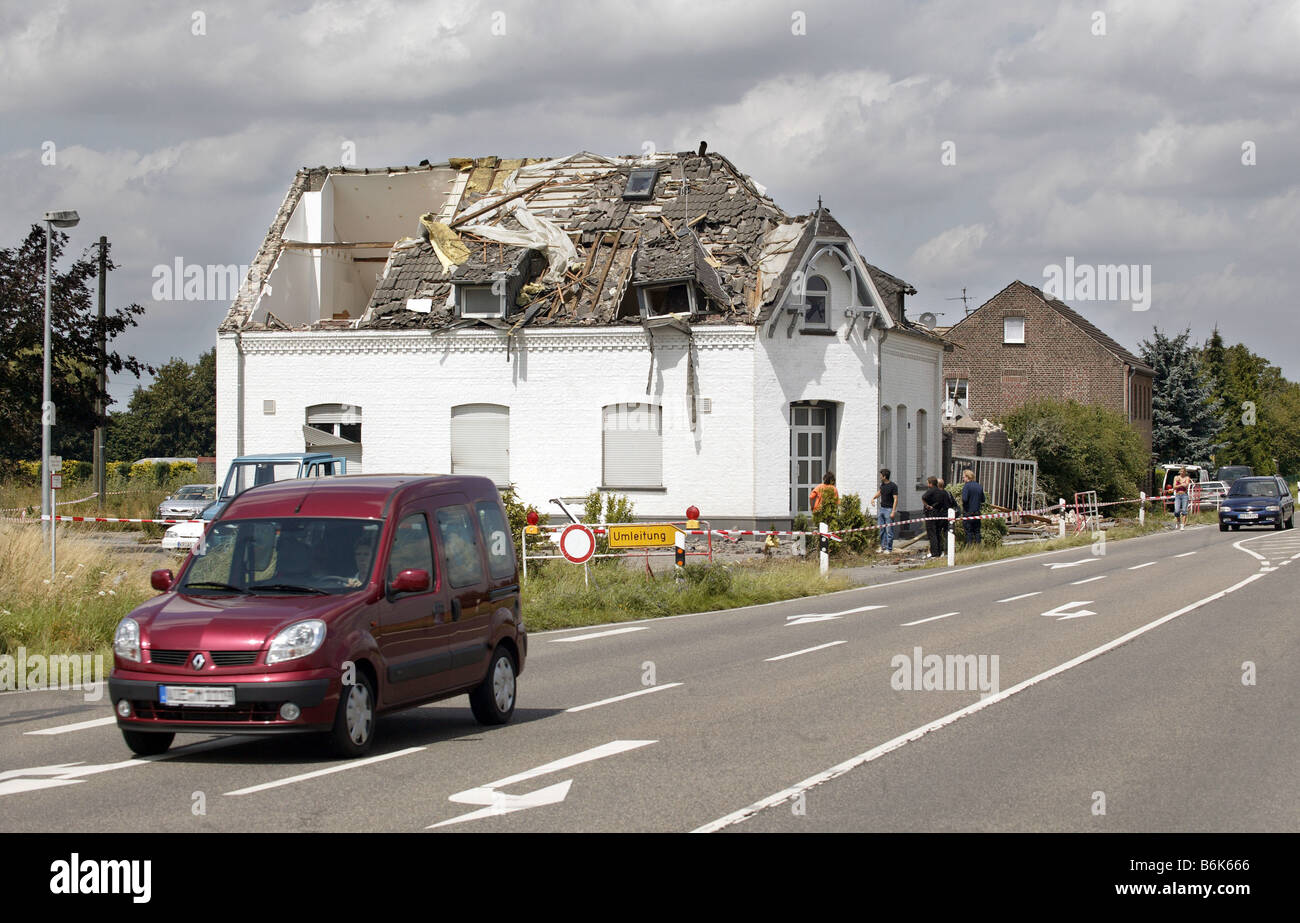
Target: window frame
{"x": 1023, "y": 325}
{"x": 389, "y": 576}
{"x": 657, "y": 413}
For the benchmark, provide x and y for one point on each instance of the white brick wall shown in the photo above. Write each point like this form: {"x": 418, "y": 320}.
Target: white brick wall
{"x": 913, "y": 375}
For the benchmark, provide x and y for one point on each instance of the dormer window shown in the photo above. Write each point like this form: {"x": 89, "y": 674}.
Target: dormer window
{"x": 662, "y": 300}
{"x": 640, "y": 185}
{"x": 817, "y": 298}
{"x": 480, "y": 301}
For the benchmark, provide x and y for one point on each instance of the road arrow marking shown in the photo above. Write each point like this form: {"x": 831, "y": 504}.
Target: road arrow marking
{"x": 498, "y": 803}
{"x": 826, "y": 616}
{"x": 1057, "y": 565}
{"x": 1060, "y": 613}
{"x": 16, "y": 781}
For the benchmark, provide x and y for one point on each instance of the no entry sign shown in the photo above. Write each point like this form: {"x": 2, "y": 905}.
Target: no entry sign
{"x": 577, "y": 543}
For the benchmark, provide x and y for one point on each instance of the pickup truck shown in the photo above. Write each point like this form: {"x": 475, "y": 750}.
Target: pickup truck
{"x": 251, "y": 471}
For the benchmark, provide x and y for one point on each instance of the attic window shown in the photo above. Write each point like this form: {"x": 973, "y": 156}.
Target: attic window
{"x": 640, "y": 185}
{"x": 816, "y": 294}
{"x": 479, "y": 301}
{"x": 660, "y": 301}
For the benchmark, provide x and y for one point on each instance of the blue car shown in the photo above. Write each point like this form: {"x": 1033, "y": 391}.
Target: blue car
{"x": 1257, "y": 501}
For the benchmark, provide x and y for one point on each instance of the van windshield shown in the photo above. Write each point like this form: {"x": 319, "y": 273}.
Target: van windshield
{"x": 1244, "y": 487}
{"x": 284, "y": 556}
{"x": 244, "y": 475}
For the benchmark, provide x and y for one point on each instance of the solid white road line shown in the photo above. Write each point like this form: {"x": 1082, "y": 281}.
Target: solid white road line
{"x": 1011, "y": 599}
{"x": 620, "y": 698}
{"x": 875, "y": 753}
{"x": 1089, "y": 580}
{"x": 355, "y": 764}
{"x": 930, "y": 619}
{"x": 1140, "y": 566}
{"x": 80, "y": 725}
{"x": 806, "y": 650}
{"x": 598, "y": 634}
{"x": 1185, "y": 554}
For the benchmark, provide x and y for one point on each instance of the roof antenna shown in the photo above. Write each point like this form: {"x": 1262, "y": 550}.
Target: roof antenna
{"x": 963, "y": 299}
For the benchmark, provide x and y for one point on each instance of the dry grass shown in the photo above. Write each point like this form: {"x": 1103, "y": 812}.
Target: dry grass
{"x": 77, "y": 611}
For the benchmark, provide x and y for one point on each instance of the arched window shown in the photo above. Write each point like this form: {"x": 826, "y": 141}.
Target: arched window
{"x": 480, "y": 441}
{"x": 900, "y": 470}
{"x": 886, "y": 444}
{"x": 922, "y": 444}
{"x": 817, "y": 295}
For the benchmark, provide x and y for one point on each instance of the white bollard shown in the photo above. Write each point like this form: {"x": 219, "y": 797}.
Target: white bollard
{"x": 952, "y": 538}
{"x": 523, "y": 553}
{"x": 1142, "y": 508}
{"x": 824, "y": 544}
{"x": 1061, "y": 524}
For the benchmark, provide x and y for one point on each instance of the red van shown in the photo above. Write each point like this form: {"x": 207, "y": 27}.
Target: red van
{"x": 317, "y": 605}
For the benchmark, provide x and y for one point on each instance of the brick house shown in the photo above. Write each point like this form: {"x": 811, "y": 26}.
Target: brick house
{"x": 1023, "y": 345}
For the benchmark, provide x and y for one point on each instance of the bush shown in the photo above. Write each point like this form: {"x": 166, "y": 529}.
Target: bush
{"x": 714, "y": 579}
{"x": 183, "y": 469}
{"x": 517, "y": 516}
{"x": 1078, "y": 447}
{"x": 992, "y": 531}
{"x": 841, "y": 516}
{"x": 613, "y": 508}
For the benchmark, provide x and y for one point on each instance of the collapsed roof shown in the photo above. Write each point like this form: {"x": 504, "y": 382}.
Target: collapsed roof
{"x": 568, "y": 241}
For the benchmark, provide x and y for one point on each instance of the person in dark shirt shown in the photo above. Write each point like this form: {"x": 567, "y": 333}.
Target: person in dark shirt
{"x": 887, "y": 511}
{"x": 972, "y": 499}
{"x": 935, "y": 502}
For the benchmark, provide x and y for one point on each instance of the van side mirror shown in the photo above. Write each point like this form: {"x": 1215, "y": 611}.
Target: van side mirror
{"x": 162, "y": 580}
{"x": 410, "y": 581}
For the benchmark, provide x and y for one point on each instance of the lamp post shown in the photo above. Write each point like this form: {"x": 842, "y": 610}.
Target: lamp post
{"x": 59, "y": 219}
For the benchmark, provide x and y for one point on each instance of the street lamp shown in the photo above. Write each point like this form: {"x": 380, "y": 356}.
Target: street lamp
{"x": 62, "y": 219}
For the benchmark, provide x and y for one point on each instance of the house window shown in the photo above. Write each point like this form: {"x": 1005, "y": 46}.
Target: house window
{"x": 632, "y": 445}
{"x": 955, "y": 397}
{"x": 480, "y": 301}
{"x": 335, "y": 428}
{"x": 900, "y": 470}
{"x": 1013, "y": 330}
{"x": 640, "y": 185}
{"x": 667, "y": 299}
{"x": 480, "y": 441}
{"x": 817, "y": 296}
{"x": 886, "y": 443}
{"x": 922, "y": 443}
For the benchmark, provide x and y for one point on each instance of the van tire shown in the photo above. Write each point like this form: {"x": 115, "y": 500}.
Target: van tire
{"x": 493, "y": 700}
{"x": 354, "y": 723}
{"x": 143, "y": 743}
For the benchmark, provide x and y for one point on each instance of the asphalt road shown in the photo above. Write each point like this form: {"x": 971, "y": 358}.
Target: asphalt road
{"x": 1111, "y": 698}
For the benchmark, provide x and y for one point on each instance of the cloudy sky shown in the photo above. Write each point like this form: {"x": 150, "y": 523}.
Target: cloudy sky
{"x": 963, "y": 145}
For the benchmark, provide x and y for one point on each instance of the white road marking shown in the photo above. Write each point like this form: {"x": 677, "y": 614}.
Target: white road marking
{"x": 902, "y": 740}
{"x": 12, "y": 781}
{"x": 1061, "y": 613}
{"x": 1140, "y": 566}
{"x": 826, "y": 616}
{"x": 1184, "y": 554}
{"x": 352, "y": 764}
{"x": 79, "y": 726}
{"x": 598, "y": 634}
{"x": 1089, "y": 580}
{"x": 806, "y": 650}
{"x": 620, "y": 698}
{"x": 1011, "y": 599}
{"x": 1057, "y": 565}
{"x": 502, "y": 803}
{"x": 930, "y": 619}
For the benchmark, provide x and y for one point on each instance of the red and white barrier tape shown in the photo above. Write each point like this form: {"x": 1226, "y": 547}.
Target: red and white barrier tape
{"x": 93, "y": 519}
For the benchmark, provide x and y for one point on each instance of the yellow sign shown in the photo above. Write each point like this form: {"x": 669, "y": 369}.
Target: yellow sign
{"x": 642, "y": 536}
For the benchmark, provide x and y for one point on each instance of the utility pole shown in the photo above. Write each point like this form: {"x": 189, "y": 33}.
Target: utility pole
{"x": 102, "y": 381}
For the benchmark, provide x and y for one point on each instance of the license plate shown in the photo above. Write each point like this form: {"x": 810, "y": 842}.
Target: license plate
{"x": 1249, "y": 516}
{"x": 203, "y": 696}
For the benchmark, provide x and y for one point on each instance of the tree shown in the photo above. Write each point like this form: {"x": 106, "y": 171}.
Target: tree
{"x": 175, "y": 416}
{"x": 74, "y": 348}
{"x": 1184, "y": 413}
{"x": 1261, "y": 408}
{"x": 1078, "y": 447}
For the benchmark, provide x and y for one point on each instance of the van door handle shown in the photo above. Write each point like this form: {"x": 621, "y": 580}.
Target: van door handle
{"x": 455, "y": 610}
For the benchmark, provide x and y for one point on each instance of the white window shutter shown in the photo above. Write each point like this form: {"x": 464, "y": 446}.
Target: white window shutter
{"x": 633, "y": 439}
{"x": 480, "y": 441}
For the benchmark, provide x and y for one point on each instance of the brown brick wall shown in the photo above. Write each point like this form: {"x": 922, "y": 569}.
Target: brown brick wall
{"x": 1057, "y": 360}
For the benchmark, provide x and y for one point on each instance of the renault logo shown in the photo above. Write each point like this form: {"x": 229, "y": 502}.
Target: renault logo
{"x": 197, "y": 661}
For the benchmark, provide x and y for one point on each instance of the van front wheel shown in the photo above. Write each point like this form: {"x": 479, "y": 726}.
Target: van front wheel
{"x": 493, "y": 700}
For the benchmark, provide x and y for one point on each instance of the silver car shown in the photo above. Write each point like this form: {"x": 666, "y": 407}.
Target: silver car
{"x": 188, "y": 502}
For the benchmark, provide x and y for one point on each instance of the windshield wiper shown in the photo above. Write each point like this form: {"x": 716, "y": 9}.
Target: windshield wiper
{"x": 210, "y": 585}
{"x": 287, "y": 588}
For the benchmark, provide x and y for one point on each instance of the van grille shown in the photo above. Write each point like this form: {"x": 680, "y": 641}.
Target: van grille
{"x": 219, "y": 658}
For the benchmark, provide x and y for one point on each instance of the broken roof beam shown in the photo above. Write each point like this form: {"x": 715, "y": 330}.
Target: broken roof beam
{"x": 501, "y": 201}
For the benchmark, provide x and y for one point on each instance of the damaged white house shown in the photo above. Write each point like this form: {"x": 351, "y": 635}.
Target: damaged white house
{"x": 657, "y": 327}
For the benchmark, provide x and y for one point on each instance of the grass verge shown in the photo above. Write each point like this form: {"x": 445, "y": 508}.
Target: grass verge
{"x": 557, "y": 597}
{"x": 95, "y": 586}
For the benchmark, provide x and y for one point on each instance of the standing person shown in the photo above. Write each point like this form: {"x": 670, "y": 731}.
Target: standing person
{"x": 887, "y": 511}
{"x": 935, "y": 502}
{"x": 972, "y": 499}
{"x": 823, "y": 492}
{"x": 1182, "y": 485}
